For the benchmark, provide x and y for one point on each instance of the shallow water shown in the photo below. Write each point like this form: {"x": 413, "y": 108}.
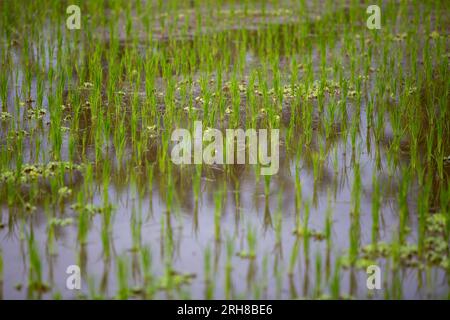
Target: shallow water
{"x": 193, "y": 231}
{"x": 182, "y": 234}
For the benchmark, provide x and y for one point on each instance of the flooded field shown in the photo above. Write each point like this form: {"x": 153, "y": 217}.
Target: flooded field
{"x": 87, "y": 171}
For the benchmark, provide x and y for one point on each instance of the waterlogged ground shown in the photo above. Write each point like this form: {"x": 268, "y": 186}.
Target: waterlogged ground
{"x": 87, "y": 179}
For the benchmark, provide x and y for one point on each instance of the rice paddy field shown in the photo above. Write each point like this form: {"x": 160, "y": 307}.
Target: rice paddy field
{"x": 87, "y": 179}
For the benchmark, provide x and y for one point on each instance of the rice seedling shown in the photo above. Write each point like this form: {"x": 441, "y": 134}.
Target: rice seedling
{"x": 36, "y": 284}
{"x": 122, "y": 278}
{"x": 318, "y": 272}
{"x": 209, "y": 282}
{"x": 335, "y": 282}
{"x": 228, "y": 270}
{"x": 376, "y": 204}
{"x": 1, "y": 274}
